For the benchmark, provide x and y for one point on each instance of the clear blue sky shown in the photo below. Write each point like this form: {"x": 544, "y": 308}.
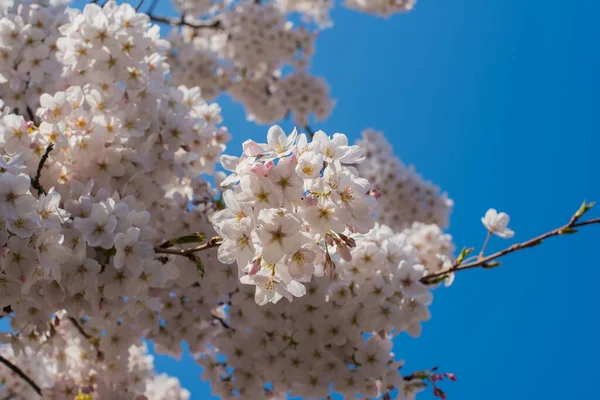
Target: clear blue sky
{"x": 498, "y": 103}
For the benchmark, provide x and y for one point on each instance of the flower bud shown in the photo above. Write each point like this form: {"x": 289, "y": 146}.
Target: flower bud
{"x": 344, "y": 252}
{"x": 374, "y": 193}
{"x": 254, "y": 266}
{"x": 259, "y": 170}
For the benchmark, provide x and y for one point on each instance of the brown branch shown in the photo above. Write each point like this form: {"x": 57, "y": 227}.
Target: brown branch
{"x": 93, "y": 340}
{"x": 21, "y": 374}
{"x": 309, "y": 130}
{"x": 220, "y": 320}
{"x": 36, "y": 181}
{"x": 215, "y": 241}
{"x": 81, "y": 330}
{"x": 484, "y": 262}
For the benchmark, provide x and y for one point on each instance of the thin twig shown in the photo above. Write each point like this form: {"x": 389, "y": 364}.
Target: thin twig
{"x": 223, "y": 323}
{"x": 36, "y": 181}
{"x": 80, "y": 329}
{"x": 309, "y": 130}
{"x": 483, "y": 262}
{"x": 139, "y": 5}
{"x": 485, "y": 242}
{"x": 21, "y": 374}
{"x": 30, "y": 114}
{"x": 211, "y": 243}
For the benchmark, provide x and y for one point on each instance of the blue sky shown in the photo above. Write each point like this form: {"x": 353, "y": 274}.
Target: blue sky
{"x": 497, "y": 102}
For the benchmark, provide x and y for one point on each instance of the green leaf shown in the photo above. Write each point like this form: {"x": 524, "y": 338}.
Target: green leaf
{"x": 200, "y": 267}
{"x": 492, "y": 264}
{"x": 191, "y": 238}
{"x": 585, "y": 207}
{"x": 536, "y": 243}
{"x": 464, "y": 253}
{"x": 567, "y": 231}
{"x": 437, "y": 280}
{"x": 421, "y": 375}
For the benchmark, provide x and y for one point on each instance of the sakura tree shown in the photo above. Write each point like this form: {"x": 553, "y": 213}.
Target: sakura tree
{"x": 288, "y": 275}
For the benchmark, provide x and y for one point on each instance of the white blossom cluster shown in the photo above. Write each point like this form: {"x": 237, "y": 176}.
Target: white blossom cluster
{"x": 405, "y": 196}
{"x": 316, "y": 11}
{"x": 383, "y": 8}
{"x": 301, "y": 347}
{"x": 122, "y": 151}
{"x": 28, "y": 48}
{"x": 289, "y": 217}
{"x": 243, "y": 47}
{"x": 66, "y": 366}
{"x": 102, "y": 205}
{"x": 290, "y": 199}
{"x": 200, "y": 7}
{"x": 243, "y": 51}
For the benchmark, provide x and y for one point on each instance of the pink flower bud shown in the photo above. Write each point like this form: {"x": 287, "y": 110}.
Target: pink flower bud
{"x": 329, "y": 266}
{"x": 23, "y": 278}
{"x": 251, "y": 148}
{"x": 254, "y": 267}
{"x": 28, "y": 124}
{"x": 269, "y": 164}
{"x": 329, "y": 239}
{"x": 450, "y": 376}
{"x": 259, "y": 170}
{"x": 374, "y": 193}
{"x": 344, "y": 252}
{"x": 437, "y": 392}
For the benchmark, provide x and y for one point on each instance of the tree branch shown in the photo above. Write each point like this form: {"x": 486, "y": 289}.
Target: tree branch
{"x": 81, "y": 330}
{"x": 36, "y": 181}
{"x": 215, "y": 241}
{"x": 220, "y": 320}
{"x": 484, "y": 262}
{"x": 309, "y": 130}
{"x": 22, "y": 375}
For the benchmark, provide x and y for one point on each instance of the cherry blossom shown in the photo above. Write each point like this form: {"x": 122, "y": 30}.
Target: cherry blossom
{"x": 497, "y": 223}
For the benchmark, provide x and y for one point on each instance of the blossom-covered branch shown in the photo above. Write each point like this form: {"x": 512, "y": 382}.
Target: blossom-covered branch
{"x": 38, "y": 174}
{"x": 21, "y": 375}
{"x": 214, "y": 241}
{"x": 488, "y": 261}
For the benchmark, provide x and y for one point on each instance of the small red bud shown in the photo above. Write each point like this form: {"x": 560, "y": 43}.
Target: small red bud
{"x": 450, "y": 376}
{"x": 374, "y": 193}
{"x": 437, "y": 392}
